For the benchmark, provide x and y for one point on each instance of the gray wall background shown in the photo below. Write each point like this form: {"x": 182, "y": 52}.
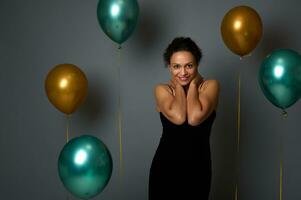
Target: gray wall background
{"x": 37, "y": 34}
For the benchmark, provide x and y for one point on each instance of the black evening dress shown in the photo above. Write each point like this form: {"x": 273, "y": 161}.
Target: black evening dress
{"x": 181, "y": 167}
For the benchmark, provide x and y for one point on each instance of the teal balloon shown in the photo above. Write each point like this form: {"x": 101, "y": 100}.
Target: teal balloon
{"x": 118, "y": 18}
{"x": 85, "y": 166}
{"x": 280, "y": 77}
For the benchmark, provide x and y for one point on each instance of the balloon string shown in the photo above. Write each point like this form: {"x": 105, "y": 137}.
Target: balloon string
{"x": 241, "y": 57}
{"x": 67, "y": 136}
{"x": 238, "y": 114}
{"x": 120, "y": 144}
{"x": 281, "y": 168}
{"x": 236, "y": 192}
{"x": 67, "y": 128}
{"x": 119, "y": 114}
{"x": 281, "y": 179}
{"x": 238, "y": 138}
{"x": 284, "y": 113}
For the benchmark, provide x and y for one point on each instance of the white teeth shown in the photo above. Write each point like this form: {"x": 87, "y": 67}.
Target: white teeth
{"x": 183, "y": 79}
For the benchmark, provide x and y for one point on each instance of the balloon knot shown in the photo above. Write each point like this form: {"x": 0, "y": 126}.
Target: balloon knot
{"x": 284, "y": 113}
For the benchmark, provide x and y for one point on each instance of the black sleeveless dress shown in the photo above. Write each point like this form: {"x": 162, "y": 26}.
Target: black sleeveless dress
{"x": 181, "y": 167}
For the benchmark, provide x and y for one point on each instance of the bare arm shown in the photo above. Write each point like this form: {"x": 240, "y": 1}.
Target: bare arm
{"x": 172, "y": 106}
{"x": 200, "y": 103}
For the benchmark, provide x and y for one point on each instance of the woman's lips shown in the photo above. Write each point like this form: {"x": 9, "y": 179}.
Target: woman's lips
{"x": 183, "y": 78}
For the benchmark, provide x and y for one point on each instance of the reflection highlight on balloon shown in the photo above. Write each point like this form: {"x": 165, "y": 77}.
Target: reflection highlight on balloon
{"x": 118, "y": 18}
{"x": 237, "y": 25}
{"x": 85, "y": 166}
{"x": 80, "y": 157}
{"x": 66, "y": 87}
{"x": 280, "y": 77}
{"x": 63, "y": 83}
{"x": 115, "y": 10}
{"x": 241, "y": 29}
{"x": 278, "y": 71}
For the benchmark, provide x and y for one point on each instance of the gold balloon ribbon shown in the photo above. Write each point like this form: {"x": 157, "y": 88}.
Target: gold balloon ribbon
{"x": 119, "y": 114}
{"x": 238, "y": 115}
{"x": 120, "y": 143}
{"x": 67, "y": 128}
{"x": 241, "y": 57}
{"x": 238, "y": 138}
{"x": 284, "y": 114}
{"x": 281, "y": 179}
{"x": 67, "y": 137}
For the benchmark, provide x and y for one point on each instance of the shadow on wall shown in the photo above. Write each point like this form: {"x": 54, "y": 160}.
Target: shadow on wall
{"x": 223, "y": 137}
{"x": 150, "y": 28}
{"x": 96, "y": 107}
{"x": 275, "y": 37}
{"x": 224, "y": 143}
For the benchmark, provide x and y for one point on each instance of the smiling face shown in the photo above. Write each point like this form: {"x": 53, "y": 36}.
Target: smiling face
{"x": 183, "y": 67}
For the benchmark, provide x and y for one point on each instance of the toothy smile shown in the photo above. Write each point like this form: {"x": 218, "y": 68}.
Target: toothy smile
{"x": 183, "y": 78}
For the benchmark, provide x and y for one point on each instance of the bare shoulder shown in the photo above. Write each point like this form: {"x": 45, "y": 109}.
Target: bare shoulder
{"x": 162, "y": 89}
{"x": 210, "y": 84}
{"x": 210, "y": 91}
{"x": 162, "y": 94}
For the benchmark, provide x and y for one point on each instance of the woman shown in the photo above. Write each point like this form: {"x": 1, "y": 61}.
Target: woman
{"x": 181, "y": 167}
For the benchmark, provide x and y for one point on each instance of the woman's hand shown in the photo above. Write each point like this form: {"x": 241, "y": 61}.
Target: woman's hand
{"x": 174, "y": 83}
{"x": 198, "y": 79}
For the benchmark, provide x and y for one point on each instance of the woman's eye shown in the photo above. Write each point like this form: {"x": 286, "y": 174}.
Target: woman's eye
{"x": 176, "y": 66}
{"x": 189, "y": 65}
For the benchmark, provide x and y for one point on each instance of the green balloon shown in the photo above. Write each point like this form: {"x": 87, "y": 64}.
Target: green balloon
{"x": 85, "y": 166}
{"x": 280, "y": 77}
{"x": 118, "y": 18}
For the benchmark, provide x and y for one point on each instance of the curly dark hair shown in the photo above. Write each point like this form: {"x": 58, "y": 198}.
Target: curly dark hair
{"x": 182, "y": 44}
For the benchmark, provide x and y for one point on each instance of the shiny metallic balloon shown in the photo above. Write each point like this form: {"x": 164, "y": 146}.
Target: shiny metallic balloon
{"x": 241, "y": 29}
{"x": 66, "y": 87}
{"x": 118, "y": 18}
{"x": 280, "y": 77}
{"x": 85, "y": 166}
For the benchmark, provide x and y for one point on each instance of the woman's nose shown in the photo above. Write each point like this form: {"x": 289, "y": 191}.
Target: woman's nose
{"x": 183, "y": 71}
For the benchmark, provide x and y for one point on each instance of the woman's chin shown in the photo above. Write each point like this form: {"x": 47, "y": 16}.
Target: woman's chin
{"x": 184, "y": 83}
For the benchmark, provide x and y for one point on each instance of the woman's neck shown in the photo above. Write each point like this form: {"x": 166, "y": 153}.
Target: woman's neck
{"x": 186, "y": 87}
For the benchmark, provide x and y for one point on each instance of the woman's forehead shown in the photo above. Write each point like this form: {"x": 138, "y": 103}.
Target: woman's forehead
{"x": 182, "y": 57}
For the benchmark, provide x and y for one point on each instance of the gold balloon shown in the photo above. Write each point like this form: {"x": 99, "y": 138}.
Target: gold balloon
{"x": 241, "y": 29}
{"x": 66, "y": 87}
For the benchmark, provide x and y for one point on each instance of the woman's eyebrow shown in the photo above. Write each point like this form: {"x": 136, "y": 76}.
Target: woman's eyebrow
{"x": 180, "y": 64}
